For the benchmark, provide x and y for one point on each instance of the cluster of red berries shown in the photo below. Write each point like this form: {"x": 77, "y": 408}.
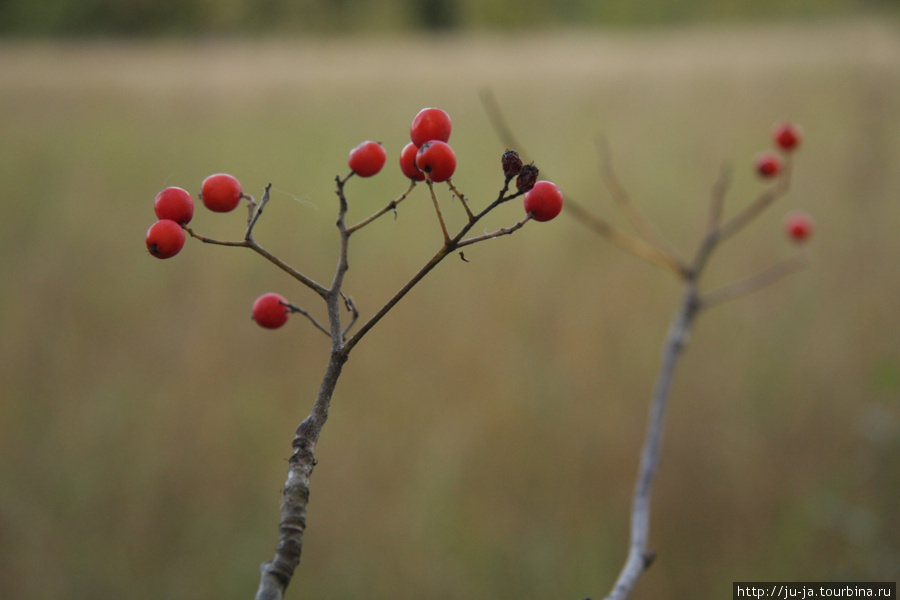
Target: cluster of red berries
{"x": 174, "y": 208}
{"x": 428, "y": 155}
{"x": 786, "y": 137}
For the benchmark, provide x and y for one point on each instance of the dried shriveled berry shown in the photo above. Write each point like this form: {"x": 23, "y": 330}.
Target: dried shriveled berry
{"x": 512, "y": 164}
{"x": 527, "y": 177}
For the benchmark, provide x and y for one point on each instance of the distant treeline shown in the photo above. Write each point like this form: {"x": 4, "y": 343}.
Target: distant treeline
{"x": 202, "y": 17}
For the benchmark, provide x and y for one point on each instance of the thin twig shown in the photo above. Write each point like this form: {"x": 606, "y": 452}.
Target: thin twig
{"x": 754, "y": 283}
{"x": 628, "y": 243}
{"x": 495, "y": 234}
{"x": 623, "y": 200}
{"x": 437, "y": 209}
{"x": 392, "y": 205}
{"x": 296, "y": 309}
{"x": 463, "y": 199}
{"x": 717, "y": 198}
{"x": 753, "y": 210}
{"x": 257, "y": 212}
{"x": 501, "y": 127}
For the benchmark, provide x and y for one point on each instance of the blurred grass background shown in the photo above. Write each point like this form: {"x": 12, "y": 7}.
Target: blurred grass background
{"x": 484, "y": 437}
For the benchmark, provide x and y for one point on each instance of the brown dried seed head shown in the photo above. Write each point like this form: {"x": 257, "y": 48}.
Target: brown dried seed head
{"x": 512, "y": 164}
{"x": 527, "y": 177}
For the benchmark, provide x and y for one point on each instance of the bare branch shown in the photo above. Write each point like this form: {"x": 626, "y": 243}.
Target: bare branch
{"x": 463, "y": 199}
{"x": 392, "y": 205}
{"x": 256, "y": 212}
{"x": 501, "y": 127}
{"x": 296, "y": 309}
{"x": 717, "y": 198}
{"x": 495, "y": 234}
{"x": 628, "y": 243}
{"x": 354, "y": 314}
{"x": 763, "y": 279}
{"x": 437, "y": 209}
{"x": 621, "y": 197}
{"x": 753, "y": 210}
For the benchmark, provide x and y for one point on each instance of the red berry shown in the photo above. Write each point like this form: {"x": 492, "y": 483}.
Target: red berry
{"x": 271, "y": 311}
{"x": 367, "y": 159}
{"x": 544, "y": 201}
{"x": 165, "y": 238}
{"x": 175, "y": 204}
{"x": 430, "y": 124}
{"x": 798, "y": 226}
{"x": 768, "y": 164}
{"x": 408, "y": 162}
{"x": 437, "y": 159}
{"x": 221, "y": 192}
{"x": 787, "y": 136}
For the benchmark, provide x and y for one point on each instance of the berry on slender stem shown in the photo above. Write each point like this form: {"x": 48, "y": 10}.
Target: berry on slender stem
{"x": 798, "y": 226}
{"x": 768, "y": 164}
{"x": 367, "y": 159}
{"x": 437, "y": 160}
{"x": 408, "y": 162}
{"x": 175, "y": 204}
{"x": 787, "y": 136}
{"x": 430, "y": 124}
{"x": 544, "y": 201}
{"x": 271, "y": 311}
{"x": 165, "y": 238}
{"x": 221, "y": 192}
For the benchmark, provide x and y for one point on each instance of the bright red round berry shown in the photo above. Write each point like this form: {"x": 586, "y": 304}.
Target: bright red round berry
{"x": 437, "y": 160}
{"x": 787, "y": 136}
{"x": 408, "y": 162}
{"x": 221, "y": 192}
{"x": 367, "y": 159}
{"x": 798, "y": 226}
{"x": 165, "y": 238}
{"x": 271, "y": 311}
{"x": 430, "y": 124}
{"x": 175, "y": 204}
{"x": 768, "y": 164}
{"x": 544, "y": 201}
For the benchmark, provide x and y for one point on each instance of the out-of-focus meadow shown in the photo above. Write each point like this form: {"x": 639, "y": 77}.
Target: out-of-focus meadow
{"x": 484, "y": 437}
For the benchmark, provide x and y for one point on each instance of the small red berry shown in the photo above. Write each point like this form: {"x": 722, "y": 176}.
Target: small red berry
{"x": 367, "y": 159}
{"x": 768, "y": 164}
{"x": 408, "y": 162}
{"x": 430, "y": 124}
{"x": 271, "y": 311}
{"x": 165, "y": 238}
{"x": 787, "y": 136}
{"x": 544, "y": 201}
{"x": 798, "y": 226}
{"x": 221, "y": 192}
{"x": 175, "y": 204}
{"x": 437, "y": 159}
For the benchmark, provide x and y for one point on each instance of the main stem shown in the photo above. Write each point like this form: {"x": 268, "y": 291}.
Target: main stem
{"x": 639, "y": 557}
{"x": 275, "y": 575}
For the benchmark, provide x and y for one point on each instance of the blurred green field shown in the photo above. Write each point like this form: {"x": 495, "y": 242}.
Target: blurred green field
{"x": 484, "y": 437}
